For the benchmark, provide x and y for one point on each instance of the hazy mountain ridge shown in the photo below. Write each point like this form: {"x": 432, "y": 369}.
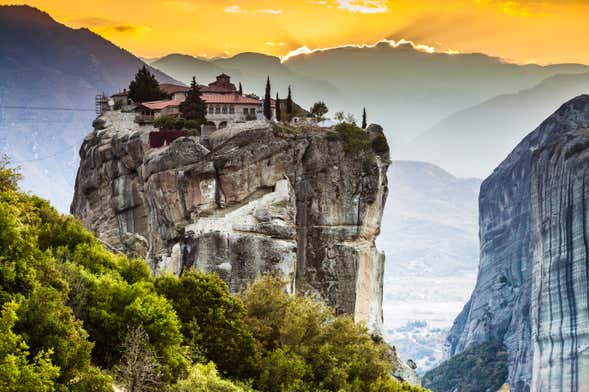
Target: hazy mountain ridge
{"x": 498, "y": 124}
{"x": 60, "y": 70}
{"x": 406, "y": 90}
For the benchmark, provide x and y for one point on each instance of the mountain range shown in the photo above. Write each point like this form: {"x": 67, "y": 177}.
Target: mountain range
{"x": 406, "y": 90}
{"x": 49, "y": 77}
{"x": 434, "y": 107}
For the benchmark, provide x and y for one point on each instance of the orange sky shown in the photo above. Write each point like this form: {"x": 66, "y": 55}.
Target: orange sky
{"x": 543, "y": 31}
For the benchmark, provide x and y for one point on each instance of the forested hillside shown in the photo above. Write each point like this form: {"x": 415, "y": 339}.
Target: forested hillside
{"x": 76, "y": 317}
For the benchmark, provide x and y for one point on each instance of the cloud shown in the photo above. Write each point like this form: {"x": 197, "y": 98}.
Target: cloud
{"x": 304, "y": 50}
{"x": 363, "y": 6}
{"x": 121, "y": 29}
{"x": 180, "y": 5}
{"x": 235, "y": 9}
{"x": 270, "y": 11}
{"x": 270, "y": 43}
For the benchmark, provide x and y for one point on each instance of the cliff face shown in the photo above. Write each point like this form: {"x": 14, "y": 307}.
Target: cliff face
{"x": 252, "y": 199}
{"x": 532, "y": 285}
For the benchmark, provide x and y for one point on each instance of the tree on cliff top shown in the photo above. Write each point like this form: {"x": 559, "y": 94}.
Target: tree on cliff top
{"x": 289, "y": 109}
{"x": 267, "y": 101}
{"x": 194, "y": 108}
{"x": 145, "y": 87}
{"x": 364, "y": 125}
{"x": 278, "y": 114}
{"x": 319, "y": 109}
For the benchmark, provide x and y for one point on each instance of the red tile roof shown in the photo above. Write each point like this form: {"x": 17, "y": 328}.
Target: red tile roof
{"x": 230, "y": 99}
{"x": 159, "y": 105}
{"x": 170, "y": 89}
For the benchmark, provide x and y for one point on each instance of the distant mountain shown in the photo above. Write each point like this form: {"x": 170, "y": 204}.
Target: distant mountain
{"x": 475, "y": 140}
{"x": 430, "y": 238}
{"x": 49, "y": 76}
{"x": 406, "y": 90}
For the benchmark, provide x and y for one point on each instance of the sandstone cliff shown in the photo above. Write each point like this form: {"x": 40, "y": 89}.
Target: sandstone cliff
{"x": 532, "y": 286}
{"x": 252, "y": 199}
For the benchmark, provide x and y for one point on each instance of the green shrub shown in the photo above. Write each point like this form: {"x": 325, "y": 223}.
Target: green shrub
{"x": 165, "y": 122}
{"x": 480, "y": 367}
{"x": 354, "y": 139}
{"x": 204, "y": 378}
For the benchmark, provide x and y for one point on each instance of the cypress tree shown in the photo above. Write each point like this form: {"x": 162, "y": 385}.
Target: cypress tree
{"x": 240, "y": 89}
{"x": 144, "y": 87}
{"x": 289, "y": 110}
{"x": 194, "y": 108}
{"x": 267, "y": 101}
{"x": 364, "y": 119}
{"x": 278, "y": 114}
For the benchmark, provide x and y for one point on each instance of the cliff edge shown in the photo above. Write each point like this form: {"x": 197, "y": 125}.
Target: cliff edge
{"x": 253, "y": 198}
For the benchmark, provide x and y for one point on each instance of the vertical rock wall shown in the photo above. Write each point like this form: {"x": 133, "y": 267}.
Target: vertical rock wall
{"x": 531, "y": 290}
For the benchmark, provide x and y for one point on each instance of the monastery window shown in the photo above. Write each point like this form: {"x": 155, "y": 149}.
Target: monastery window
{"x": 245, "y": 111}
{"x": 231, "y": 109}
{"x": 217, "y": 109}
{"x": 253, "y": 111}
{"x": 224, "y": 109}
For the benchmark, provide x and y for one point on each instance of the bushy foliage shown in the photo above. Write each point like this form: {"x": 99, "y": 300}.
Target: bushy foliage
{"x": 171, "y": 122}
{"x": 319, "y": 110}
{"x": 354, "y": 139}
{"x": 205, "y": 378}
{"x": 72, "y": 311}
{"x": 305, "y": 347}
{"x": 213, "y": 321}
{"x": 481, "y": 367}
{"x": 18, "y": 373}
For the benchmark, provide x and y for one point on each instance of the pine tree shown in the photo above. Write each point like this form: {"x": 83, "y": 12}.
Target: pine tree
{"x": 278, "y": 114}
{"x": 194, "y": 108}
{"x": 240, "y": 89}
{"x": 289, "y": 110}
{"x": 267, "y": 101}
{"x": 144, "y": 87}
{"x": 364, "y": 119}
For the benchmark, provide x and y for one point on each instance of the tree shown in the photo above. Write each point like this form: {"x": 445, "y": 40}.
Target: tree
{"x": 319, "y": 109}
{"x": 194, "y": 108}
{"x": 268, "y": 101}
{"x": 139, "y": 369}
{"x": 145, "y": 87}
{"x": 240, "y": 89}
{"x": 213, "y": 321}
{"x": 278, "y": 114}
{"x": 19, "y": 372}
{"x": 339, "y": 116}
{"x": 289, "y": 108}
{"x": 364, "y": 125}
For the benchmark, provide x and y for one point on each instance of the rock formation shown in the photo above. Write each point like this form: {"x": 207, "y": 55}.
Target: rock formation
{"x": 532, "y": 287}
{"x": 251, "y": 199}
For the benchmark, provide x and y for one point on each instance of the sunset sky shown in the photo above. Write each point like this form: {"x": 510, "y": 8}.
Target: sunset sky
{"x": 542, "y": 31}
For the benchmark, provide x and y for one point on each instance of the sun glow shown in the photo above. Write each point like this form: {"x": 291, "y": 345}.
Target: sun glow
{"x": 304, "y": 50}
{"x": 520, "y": 30}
